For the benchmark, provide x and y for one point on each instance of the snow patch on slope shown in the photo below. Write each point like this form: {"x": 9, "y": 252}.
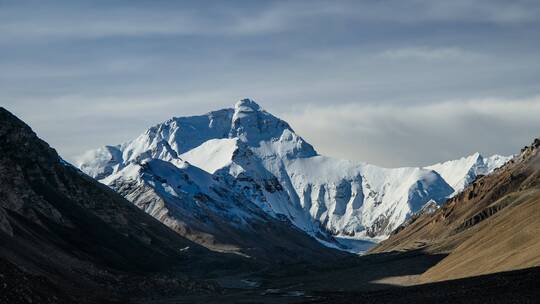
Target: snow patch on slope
{"x": 496, "y": 161}
{"x": 101, "y": 162}
{"x": 212, "y": 155}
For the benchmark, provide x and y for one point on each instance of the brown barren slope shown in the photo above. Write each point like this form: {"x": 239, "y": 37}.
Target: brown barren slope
{"x": 492, "y": 226}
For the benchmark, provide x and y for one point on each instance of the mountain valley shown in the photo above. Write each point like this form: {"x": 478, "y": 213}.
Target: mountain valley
{"x": 206, "y": 224}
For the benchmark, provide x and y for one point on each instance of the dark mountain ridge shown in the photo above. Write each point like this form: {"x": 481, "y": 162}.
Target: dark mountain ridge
{"x": 58, "y": 223}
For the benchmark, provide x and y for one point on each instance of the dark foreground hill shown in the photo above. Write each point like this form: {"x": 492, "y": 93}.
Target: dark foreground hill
{"x": 61, "y": 232}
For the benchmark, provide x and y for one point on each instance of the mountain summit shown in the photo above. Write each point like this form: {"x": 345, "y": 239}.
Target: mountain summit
{"x": 259, "y": 158}
{"x": 247, "y": 104}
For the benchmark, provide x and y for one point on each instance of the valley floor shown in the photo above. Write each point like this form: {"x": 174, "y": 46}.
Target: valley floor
{"x": 378, "y": 278}
{"x": 518, "y": 286}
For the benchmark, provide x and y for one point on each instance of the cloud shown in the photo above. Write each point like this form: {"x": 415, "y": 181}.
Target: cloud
{"x": 400, "y": 135}
{"x": 499, "y": 12}
{"x": 97, "y": 22}
{"x": 429, "y": 53}
{"x": 78, "y": 21}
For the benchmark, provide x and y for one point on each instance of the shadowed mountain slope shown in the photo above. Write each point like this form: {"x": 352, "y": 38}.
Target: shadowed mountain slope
{"x": 59, "y": 223}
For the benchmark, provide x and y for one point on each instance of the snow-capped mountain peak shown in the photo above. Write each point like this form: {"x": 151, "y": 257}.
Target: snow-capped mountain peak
{"x": 461, "y": 172}
{"x": 257, "y": 128}
{"x": 259, "y": 157}
{"x": 246, "y": 105}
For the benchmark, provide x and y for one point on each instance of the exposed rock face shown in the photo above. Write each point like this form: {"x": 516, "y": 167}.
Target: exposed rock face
{"x": 4, "y": 223}
{"x": 492, "y": 225}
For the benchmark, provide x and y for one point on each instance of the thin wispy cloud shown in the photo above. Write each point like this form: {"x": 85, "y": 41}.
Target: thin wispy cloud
{"x": 39, "y": 20}
{"x": 426, "y": 53}
{"x": 103, "y": 22}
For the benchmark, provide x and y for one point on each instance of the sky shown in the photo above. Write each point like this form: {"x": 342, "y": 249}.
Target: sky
{"x": 393, "y": 83}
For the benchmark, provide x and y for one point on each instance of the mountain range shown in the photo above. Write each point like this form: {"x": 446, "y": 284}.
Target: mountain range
{"x": 215, "y": 178}
{"x": 205, "y": 235}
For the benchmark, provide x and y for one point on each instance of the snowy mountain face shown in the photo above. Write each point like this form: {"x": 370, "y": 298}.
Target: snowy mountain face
{"x": 201, "y": 207}
{"x": 461, "y": 172}
{"x": 251, "y": 166}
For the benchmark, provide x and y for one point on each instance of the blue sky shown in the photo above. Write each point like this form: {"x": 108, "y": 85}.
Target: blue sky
{"x": 395, "y": 83}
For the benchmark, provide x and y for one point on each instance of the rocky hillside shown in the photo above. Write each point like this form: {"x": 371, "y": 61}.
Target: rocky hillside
{"x": 492, "y": 226}
{"x": 62, "y": 230}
